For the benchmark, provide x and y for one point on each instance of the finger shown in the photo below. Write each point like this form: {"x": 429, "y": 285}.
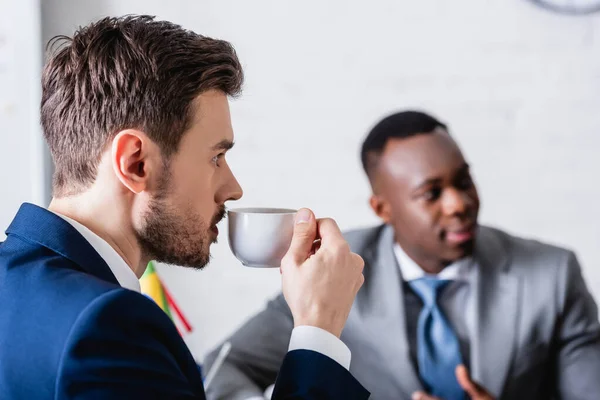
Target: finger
{"x": 358, "y": 261}
{"x": 329, "y": 232}
{"x": 464, "y": 380}
{"x": 305, "y": 232}
{"x": 423, "y": 396}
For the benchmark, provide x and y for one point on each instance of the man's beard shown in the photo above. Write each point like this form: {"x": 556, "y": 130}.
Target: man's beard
{"x": 176, "y": 236}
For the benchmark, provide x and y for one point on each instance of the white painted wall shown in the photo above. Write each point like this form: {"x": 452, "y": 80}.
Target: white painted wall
{"x": 22, "y": 158}
{"x": 519, "y": 86}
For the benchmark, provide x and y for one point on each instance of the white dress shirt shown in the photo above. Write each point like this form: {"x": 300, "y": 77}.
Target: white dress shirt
{"x": 119, "y": 268}
{"x": 457, "y": 271}
{"x": 303, "y": 337}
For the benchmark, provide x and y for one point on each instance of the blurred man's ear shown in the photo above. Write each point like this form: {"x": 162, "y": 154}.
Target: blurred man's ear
{"x": 381, "y": 207}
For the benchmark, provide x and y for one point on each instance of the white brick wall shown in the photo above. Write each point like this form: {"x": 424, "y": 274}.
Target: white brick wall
{"x": 520, "y": 88}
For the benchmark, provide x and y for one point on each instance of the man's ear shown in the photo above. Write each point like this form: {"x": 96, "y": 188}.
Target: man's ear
{"x": 381, "y": 207}
{"x": 132, "y": 153}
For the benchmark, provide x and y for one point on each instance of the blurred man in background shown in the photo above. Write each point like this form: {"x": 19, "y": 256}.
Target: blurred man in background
{"x": 448, "y": 307}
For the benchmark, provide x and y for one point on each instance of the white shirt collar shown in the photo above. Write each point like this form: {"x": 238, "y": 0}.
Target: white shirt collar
{"x": 410, "y": 270}
{"x": 125, "y": 275}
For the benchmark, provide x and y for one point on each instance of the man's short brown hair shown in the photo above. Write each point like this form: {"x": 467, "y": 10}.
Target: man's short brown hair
{"x": 131, "y": 72}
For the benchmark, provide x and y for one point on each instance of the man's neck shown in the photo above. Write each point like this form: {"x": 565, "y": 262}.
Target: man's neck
{"x": 432, "y": 266}
{"x": 108, "y": 222}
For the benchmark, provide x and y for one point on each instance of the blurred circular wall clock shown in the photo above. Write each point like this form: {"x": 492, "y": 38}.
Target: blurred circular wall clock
{"x": 571, "y": 7}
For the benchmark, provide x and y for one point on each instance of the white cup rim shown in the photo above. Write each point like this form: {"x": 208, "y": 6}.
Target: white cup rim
{"x": 263, "y": 210}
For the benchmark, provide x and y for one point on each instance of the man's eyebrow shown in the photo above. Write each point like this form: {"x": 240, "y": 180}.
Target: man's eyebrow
{"x": 223, "y": 145}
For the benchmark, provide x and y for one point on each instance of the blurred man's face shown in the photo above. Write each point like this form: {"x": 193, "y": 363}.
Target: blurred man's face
{"x": 179, "y": 223}
{"x": 423, "y": 188}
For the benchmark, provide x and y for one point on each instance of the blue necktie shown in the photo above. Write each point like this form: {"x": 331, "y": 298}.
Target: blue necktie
{"x": 438, "y": 350}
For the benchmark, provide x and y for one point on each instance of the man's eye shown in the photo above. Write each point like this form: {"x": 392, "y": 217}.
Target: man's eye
{"x": 215, "y": 159}
{"x": 465, "y": 182}
{"x": 432, "y": 194}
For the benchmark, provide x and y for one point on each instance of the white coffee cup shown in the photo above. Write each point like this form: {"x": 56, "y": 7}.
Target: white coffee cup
{"x": 260, "y": 237}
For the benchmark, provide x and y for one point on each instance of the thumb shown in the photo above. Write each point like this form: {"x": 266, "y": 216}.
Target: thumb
{"x": 423, "y": 396}
{"x": 305, "y": 232}
{"x": 464, "y": 380}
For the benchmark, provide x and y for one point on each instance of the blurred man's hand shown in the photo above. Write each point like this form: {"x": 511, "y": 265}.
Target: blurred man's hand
{"x": 473, "y": 390}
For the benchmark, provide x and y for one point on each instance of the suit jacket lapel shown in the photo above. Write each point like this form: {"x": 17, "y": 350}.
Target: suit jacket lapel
{"x": 496, "y": 307}
{"x": 385, "y": 280}
{"x": 38, "y": 225}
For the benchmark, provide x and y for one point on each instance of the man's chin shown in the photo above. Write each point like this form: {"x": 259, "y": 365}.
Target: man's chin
{"x": 457, "y": 253}
{"x": 193, "y": 262}
{"x": 197, "y": 266}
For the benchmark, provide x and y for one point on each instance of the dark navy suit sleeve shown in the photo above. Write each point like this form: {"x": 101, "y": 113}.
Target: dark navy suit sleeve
{"x": 123, "y": 346}
{"x": 310, "y": 375}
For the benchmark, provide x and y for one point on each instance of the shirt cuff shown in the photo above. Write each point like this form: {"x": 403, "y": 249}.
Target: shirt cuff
{"x": 319, "y": 340}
